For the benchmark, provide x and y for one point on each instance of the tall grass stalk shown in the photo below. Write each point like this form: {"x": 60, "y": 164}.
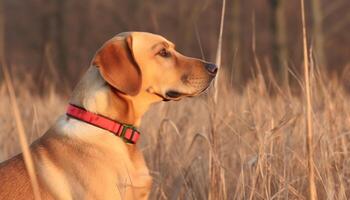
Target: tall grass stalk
{"x": 311, "y": 175}
{"x": 217, "y": 178}
{"x": 21, "y": 133}
{"x": 219, "y": 49}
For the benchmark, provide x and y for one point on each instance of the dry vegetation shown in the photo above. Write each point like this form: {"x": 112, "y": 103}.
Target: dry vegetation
{"x": 262, "y": 150}
{"x": 259, "y": 120}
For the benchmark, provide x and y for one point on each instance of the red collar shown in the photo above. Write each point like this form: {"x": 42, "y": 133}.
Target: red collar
{"x": 127, "y": 132}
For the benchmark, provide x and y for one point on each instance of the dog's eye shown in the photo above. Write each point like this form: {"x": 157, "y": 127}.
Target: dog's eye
{"x": 164, "y": 53}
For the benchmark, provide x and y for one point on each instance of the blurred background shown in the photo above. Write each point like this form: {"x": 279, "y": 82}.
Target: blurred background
{"x": 251, "y": 142}
{"x": 47, "y": 38}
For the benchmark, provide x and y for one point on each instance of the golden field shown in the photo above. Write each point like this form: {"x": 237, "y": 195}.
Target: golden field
{"x": 262, "y": 151}
{"x": 279, "y": 128}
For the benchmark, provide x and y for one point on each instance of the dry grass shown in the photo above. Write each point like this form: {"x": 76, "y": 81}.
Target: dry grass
{"x": 263, "y": 150}
{"x": 22, "y": 136}
{"x": 309, "y": 124}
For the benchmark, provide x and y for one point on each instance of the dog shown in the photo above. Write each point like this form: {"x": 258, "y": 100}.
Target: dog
{"x": 90, "y": 152}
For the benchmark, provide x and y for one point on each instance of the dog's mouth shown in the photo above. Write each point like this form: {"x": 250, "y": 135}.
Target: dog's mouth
{"x": 172, "y": 94}
{"x": 177, "y": 95}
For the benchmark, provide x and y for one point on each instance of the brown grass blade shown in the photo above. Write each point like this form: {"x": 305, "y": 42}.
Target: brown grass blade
{"x": 217, "y": 181}
{"x": 219, "y": 49}
{"x": 21, "y": 133}
{"x": 311, "y": 177}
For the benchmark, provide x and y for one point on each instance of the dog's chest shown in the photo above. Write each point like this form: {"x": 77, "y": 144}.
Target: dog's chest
{"x": 108, "y": 183}
{"x": 116, "y": 178}
{"x": 99, "y": 166}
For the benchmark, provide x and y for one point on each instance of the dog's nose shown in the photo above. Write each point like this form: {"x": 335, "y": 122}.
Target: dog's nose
{"x": 212, "y": 68}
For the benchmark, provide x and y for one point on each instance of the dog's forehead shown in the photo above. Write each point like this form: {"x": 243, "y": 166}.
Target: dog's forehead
{"x": 150, "y": 39}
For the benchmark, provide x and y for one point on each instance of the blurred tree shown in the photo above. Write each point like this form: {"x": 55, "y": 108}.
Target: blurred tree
{"x": 2, "y": 31}
{"x": 318, "y": 33}
{"x": 236, "y": 70}
{"x": 52, "y": 48}
{"x": 60, "y": 39}
{"x": 279, "y": 35}
{"x": 64, "y": 34}
{"x": 45, "y": 29}
{"x": 46, "y": 33}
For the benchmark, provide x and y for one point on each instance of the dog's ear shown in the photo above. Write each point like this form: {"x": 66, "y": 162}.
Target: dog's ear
{"x": 117, "y": 65}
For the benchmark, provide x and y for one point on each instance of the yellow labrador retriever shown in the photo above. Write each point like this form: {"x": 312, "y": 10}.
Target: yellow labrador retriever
{"x": 89, "y": 153}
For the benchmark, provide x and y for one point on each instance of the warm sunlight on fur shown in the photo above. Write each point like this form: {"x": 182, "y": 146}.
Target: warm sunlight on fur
{"x": 94, "y": 141}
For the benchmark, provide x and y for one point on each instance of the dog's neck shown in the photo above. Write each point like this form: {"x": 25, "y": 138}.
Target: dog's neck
{"x": 95, "y": 95}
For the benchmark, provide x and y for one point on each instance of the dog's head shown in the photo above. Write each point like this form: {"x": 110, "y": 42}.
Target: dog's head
{"x": 138, "y": 62}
